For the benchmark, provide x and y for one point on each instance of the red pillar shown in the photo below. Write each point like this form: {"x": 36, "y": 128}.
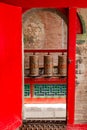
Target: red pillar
{"x": 71, "y": 65}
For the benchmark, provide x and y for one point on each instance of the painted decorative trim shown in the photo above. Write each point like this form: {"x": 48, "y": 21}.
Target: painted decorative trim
{"x": 26, "y": 91}
{"x": 81, "y": 38}
{"x": 82, "y": 22}
{"x": 49, "y": 90}
{"x": 80, "y": 41}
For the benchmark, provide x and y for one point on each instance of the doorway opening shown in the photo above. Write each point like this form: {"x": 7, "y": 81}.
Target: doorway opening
{"x": 45, "y": 64}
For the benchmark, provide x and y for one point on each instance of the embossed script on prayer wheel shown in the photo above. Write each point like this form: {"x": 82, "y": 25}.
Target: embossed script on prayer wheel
{"x": 62, "y": 65}
{"x": 34, "y": 65}
{"x": 48, "y": 65}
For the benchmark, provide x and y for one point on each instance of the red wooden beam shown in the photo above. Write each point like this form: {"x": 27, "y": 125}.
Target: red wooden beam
{"x": 45, "y": 80}
{"x": 54, "y": 3}
{"x": 71, "y": 65}
{"x": 47, "y": 3}
{"x": 61, "y": 50}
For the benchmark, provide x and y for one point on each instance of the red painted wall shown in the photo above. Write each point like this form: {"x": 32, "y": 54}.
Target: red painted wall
{"x": 10, "y": 67}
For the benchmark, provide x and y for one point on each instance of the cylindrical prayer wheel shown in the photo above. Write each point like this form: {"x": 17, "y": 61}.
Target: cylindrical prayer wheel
{"x": 62, "y": 65}
{"x": 34, "y": 65}
{"x": 48, "y": 65}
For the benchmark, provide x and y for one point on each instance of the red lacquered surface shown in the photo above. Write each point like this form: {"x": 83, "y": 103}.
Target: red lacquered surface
{"x": 10, "y": 67}
{"x": 71, "y": 65}
{"x": 77, "y": 127}
{"x": 47, "y": 3}
{"x": 45, "y": 80}
{"x": 51, "y": 51}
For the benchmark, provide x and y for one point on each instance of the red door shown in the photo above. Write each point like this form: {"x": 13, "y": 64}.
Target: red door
{"x": 10, "y": 67}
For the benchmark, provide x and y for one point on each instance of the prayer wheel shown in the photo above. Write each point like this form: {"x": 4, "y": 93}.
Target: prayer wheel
{"x": 48, "y": 65}
{"x": 34, "y": 65}
{"x": 62, "y": 65}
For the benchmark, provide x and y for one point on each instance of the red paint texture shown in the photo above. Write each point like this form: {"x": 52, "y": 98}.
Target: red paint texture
{"x": 10, "y": 67}
{"x": 71, "y": 65}
{"x": 48, "y": 3}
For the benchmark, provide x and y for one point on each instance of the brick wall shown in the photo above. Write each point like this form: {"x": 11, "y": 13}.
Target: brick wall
{"x": 81, "y": 73}
{"x": 43, "y": 29}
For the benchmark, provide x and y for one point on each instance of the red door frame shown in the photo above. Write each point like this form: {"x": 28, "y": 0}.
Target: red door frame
{"x": 71, "y": 65}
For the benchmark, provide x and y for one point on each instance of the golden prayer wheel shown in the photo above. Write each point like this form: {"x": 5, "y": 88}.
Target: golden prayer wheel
{"x": 34, "y": 65}
{"x": 62, "y": 65}
{"x": 48, "y": 65}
